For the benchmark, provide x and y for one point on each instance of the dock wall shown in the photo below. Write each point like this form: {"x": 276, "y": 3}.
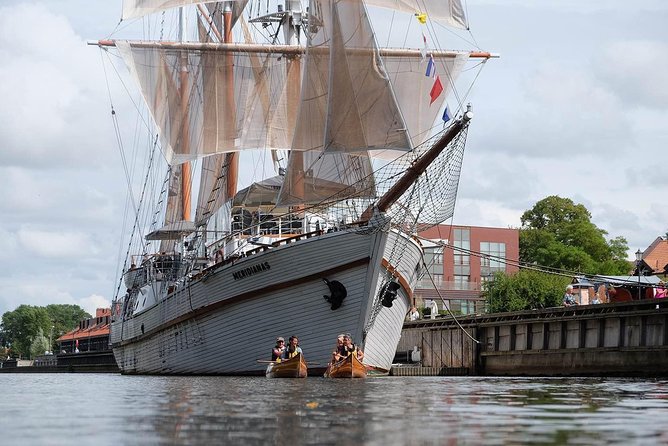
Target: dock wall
{"x": 623, "y": 339}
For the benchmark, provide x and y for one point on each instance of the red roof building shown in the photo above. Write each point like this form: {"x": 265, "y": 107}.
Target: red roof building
{"x": 655, "y": 257}
{"x": 91, "y": 334}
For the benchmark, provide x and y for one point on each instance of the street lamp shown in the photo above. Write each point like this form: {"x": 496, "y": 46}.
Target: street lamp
{"x": 638, "y": 260}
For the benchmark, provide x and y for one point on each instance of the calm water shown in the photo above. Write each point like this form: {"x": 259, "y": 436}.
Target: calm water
{"x": 67, "y": 409}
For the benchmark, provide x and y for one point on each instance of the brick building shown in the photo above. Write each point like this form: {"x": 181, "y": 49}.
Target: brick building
{"x": 458, "y": 272}
{"x": 655, "y": 258}
{"x": 91, "y": 334}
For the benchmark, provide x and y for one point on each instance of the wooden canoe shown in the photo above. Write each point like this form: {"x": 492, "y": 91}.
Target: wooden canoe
{"x": 349, "y": 367}
{"x": 294, "y": 367}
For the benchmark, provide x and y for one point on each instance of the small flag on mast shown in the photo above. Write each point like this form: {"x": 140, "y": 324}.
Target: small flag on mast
{"x": 436, "y": 90}
{"x": 431, "y": 67}
{"x": 446, "y": 114}
{"x": 423, "y": 51}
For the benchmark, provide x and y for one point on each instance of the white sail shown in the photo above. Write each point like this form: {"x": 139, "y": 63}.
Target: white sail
{"x": 216, "y": 10}
{"x": 446, "y": 11}
{"x": 411, "y": 88}
{"x": 347, "y": 101}
{"x": 196, "y": 128}
{"x": 138, "y": 8}
{"x": 314, "y": 177}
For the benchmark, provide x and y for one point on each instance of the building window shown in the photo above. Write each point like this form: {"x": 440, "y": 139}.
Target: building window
{"x": 493, "y": 259}
{"x": 461, "y": 282}
{"x": 462, "y": 259}
{"x": 433, "y": 258}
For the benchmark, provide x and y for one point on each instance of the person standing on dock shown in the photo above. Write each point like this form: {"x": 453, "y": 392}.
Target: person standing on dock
{"x": 569, "y": 300}
{"x": 433, "y": 306}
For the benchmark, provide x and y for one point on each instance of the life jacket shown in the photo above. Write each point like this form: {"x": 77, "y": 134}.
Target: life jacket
{"x": 350, "y": 350}
{"x": 274, "y": 356}
{"x": 289, "y": 354}
{"x": 342, "y": 351}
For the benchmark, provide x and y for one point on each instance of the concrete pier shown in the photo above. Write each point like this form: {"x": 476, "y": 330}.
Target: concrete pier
{"x": 623, "y": 339}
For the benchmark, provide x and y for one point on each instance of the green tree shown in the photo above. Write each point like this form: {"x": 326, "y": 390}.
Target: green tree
{"x": 64, "y": 318}
{"x": 39, "y": 345}
{"x": 524, "y": 290}
{"x": 558, "y": 233}
{"x": 22, "y": 325}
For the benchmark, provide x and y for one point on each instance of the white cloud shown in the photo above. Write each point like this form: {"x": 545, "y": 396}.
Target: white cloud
{"x": 55, "y": 244}
{"x": 564, "y": 112}
{"x": 579, "y": 6}
{"x": 634, "y": 71}
{"x": 93, "y": 302}
{"x": 53, "y": 82}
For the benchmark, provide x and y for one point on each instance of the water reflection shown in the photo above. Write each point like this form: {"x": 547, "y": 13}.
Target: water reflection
{"x": 113, "y": 409}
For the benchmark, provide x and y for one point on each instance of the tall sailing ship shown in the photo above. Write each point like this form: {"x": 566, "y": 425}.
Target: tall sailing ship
{"x": 362, "y": 154}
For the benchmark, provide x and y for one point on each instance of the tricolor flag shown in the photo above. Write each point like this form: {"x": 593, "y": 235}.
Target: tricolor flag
{"x": 446, "y": 114}
{"x": 431, "y": 67}
{"x": 436, "y": 90}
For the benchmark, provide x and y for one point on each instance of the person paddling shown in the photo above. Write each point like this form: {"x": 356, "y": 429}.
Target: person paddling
{"x": 278, "y": 350}
{"x": 293, "y": 348}
{"x": 351, "y": 348}
{"x": 340, "y": 350}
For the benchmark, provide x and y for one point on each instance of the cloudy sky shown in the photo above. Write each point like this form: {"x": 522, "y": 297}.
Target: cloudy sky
{"x": 576, "y": 106}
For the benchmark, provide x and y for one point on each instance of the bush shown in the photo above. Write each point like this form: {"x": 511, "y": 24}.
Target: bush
{"x": 524, "y": 290}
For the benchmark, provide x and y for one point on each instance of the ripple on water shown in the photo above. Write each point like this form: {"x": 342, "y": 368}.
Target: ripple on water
{"x": 112, "y": 409}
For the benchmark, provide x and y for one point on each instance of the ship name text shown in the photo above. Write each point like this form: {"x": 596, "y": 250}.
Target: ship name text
{"x": 251, "y": 270}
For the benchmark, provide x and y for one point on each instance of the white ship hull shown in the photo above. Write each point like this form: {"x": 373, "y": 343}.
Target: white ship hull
{"x": 225, "y": 320}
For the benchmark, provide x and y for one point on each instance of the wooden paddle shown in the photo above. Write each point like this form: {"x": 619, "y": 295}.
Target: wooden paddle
{"x": 262, "y": 361}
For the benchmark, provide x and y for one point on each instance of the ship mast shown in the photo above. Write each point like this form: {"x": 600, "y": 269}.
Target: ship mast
{"x": 232, "y": 158}
{"x": 186, "y": 174}
{"x": 292, "y": 20}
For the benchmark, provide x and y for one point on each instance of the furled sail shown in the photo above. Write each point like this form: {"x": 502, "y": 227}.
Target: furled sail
{"x": 256, "y": 123}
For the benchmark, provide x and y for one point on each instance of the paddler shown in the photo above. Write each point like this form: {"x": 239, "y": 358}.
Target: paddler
{"x": 340, "y": 350}
{"x": 351, "y": 348}
{"x": 278, "y": 350}
{"x": 293, "y": 348}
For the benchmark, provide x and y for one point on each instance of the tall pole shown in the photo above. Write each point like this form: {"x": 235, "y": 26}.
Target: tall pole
{"x": 638, "y": 260}
{"x": 186, "y": 175}
{"x": 291, "y": 37}
{"x": 232, "y": 158}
